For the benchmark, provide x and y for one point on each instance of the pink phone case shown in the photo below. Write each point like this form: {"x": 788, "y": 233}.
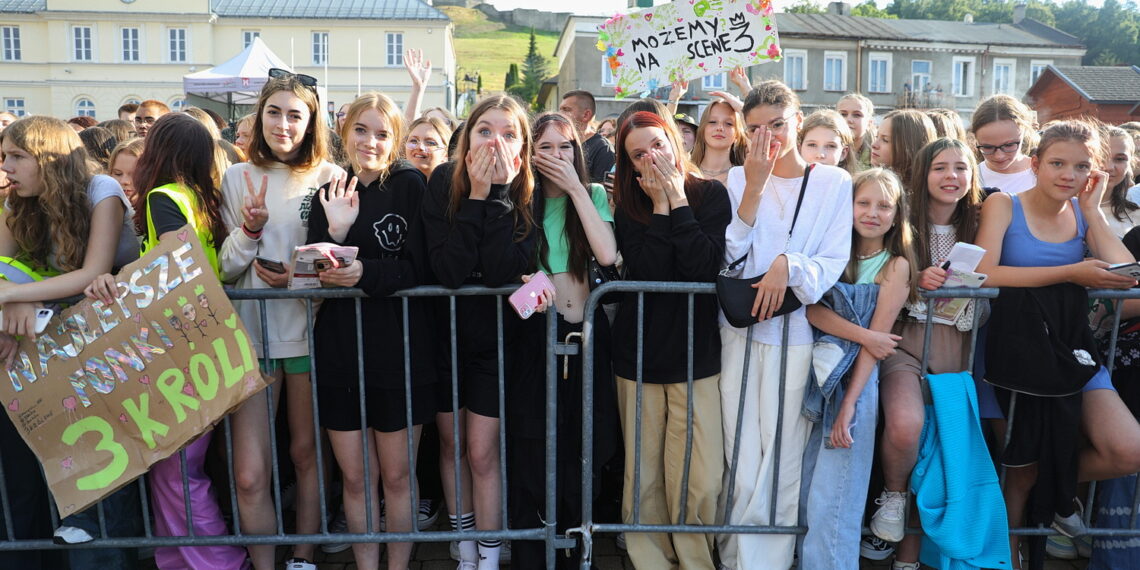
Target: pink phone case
{"x": 525, "y": 300}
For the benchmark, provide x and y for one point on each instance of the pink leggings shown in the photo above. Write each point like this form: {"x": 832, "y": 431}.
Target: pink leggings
{"x": 169, "y": 506}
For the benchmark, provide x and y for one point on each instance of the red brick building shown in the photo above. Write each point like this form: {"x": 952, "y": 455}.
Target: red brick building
{"x": 1111, "y": 94}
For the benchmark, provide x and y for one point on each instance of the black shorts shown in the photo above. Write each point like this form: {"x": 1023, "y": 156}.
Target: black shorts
{"x": 478, "y": 384}
{"x": 385, "y": 408}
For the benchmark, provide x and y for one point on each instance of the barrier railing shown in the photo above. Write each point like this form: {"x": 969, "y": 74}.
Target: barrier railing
{"x": 546, "y": 533}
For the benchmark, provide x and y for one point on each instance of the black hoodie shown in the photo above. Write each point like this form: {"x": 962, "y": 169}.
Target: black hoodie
{"x": 391, "y": 241}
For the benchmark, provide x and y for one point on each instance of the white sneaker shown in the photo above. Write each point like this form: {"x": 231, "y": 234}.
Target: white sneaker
{"x": 299, "y": 564}
{"x": 71, "y": 535}
{"x": 467, "y": 565}
{"x": 889, "y": 522}
{"x": 896, "y": 565}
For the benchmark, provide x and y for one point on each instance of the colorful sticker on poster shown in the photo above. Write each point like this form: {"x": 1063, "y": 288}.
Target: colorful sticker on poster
{"x": 686, "y": 39}
{"x": 108, "y": 390}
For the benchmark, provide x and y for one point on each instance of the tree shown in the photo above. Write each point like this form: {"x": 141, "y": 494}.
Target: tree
{"x": 512, "y": 76}
{"x": 534, "y": 71}
{"x": 805, "y": 7}
{"x": 868, "y": 9}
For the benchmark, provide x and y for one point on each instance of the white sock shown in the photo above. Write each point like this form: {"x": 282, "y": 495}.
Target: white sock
{"x": 489, "y": 554}
{"x": 468, "y": 552}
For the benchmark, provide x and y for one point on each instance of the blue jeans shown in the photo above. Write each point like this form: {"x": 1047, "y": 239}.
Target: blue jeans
{"x": 834, "y": 488}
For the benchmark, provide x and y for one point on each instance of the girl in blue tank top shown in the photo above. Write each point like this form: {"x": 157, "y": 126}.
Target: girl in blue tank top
{"x": 1037, "y": 239}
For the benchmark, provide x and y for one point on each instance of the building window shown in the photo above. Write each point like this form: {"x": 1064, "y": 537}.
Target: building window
{"x": 607, "y": 74}
{"x": 1003, "y": 75}
{"x": 177, "y": 40}
{"x": 11, "y": 38}
{"x": 178, "y": 105}
{"x": 320, "y": 48}
{"x": 1037, "y": 67}
{"x": 713, "y": 82}
{"x": 879, "y": 76}
{"x": 834, "y": 71}
{"x": 84, "y": 107}
{"x": 920, "y": 75}
{"x": 247, "y": 37}
{"x": 132, "y": 101}
{"x": 962, "y": 84}
{"x": 795, "y": 63}
{"x": 81, "y": 42}
{"x": 130, "y": 44}
{"x": 15, "y": 105}
{"x": 395, "y": 49}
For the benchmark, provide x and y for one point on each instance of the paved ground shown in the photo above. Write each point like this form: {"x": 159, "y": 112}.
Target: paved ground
{"x": 434, "y": 556}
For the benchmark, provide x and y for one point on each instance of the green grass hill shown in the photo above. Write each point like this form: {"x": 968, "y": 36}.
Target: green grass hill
{"x": 491, "y": 47}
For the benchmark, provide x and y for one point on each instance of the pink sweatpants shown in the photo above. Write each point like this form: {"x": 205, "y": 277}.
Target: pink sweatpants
{"x": 169, "y": 506}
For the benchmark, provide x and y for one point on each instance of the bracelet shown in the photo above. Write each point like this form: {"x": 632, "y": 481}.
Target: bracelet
{"x": 250, "y": 233}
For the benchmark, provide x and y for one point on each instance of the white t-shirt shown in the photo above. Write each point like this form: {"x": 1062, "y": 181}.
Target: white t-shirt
{"x": 1010, "y": 183}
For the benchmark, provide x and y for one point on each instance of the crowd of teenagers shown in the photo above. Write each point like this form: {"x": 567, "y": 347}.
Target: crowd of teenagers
{"x": 820, "y": 416}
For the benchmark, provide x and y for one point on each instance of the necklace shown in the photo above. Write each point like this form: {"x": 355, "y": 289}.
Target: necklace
{"x": 779, "y": 201}
{"x": 714, "y": 173}
{"x": 870, "y": 255}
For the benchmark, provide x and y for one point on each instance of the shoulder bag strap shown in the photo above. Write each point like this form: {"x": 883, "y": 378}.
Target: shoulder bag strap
{"x": 799, "y": 202}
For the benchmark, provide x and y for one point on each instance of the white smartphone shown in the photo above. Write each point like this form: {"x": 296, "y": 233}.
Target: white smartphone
{"x": 42, "y": 318}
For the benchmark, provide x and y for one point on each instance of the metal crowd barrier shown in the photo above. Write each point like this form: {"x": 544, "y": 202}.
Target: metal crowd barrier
{"x": 586, "y": 534}
{"x": 545, "y": 533}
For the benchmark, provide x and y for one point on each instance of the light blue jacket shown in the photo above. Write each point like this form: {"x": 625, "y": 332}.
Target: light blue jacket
{"x": 954, "y": 483}
{"x": 833, "y": 356}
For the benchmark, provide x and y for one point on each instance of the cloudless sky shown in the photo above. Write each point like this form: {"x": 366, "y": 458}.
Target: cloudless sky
{"x": 611, "y": 7}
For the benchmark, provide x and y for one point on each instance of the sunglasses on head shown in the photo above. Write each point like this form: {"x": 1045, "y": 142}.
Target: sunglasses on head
{"x": 306, "y": 80}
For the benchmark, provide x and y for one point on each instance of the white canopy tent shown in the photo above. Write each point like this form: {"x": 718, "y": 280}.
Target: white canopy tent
{"x": 238, "y": 81}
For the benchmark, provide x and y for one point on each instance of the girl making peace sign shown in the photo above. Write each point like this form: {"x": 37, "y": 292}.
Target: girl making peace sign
{"x": 266, "y": 205}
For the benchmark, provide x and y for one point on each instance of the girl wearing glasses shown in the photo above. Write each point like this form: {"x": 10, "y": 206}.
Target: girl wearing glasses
{"x": 266, "y": 204}
{"x": 426, "y": 145}
{"x": 1003, "y": 131}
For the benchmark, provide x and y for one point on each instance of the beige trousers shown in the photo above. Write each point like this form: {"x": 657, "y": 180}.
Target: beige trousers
{"x": 663, "y": 420}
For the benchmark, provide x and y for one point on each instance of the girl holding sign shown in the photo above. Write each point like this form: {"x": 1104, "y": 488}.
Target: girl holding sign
{"x": 70, "y": 224}
{"x": 377, "y": 211}
{"x": 287, "y": 154}
{"x": 175, "y": 179}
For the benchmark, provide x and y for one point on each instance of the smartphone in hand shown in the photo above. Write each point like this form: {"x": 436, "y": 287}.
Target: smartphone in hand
{"x": 271, "y": 264}
{"x": 525, "y": 300}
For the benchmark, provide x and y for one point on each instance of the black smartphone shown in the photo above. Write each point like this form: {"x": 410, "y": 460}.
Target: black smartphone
{"x": 272, "y": 265}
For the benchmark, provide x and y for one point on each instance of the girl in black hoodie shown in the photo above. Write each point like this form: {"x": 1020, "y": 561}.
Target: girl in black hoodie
{"x": 376, "y": 211}
{"x": 480, "y": 229}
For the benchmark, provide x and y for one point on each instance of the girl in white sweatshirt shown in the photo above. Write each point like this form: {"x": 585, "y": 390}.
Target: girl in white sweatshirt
{"x": 266, "y": 205}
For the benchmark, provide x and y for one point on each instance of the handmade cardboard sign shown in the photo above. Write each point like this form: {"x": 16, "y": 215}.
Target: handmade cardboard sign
{"x": 108, "y": 390}
{"x": 686, "y": 39}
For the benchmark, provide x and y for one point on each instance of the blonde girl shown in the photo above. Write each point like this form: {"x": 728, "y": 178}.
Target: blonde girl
{"x": 826, "y": 139}
{"x": 720, "y": 142}
{"x": 425, "y": 145}
{"x": 901, "y": 134}
{"x": 480, "y": 224}
{"x": 373, "y": 211}
{"x": 882, "y": 253}
{"x": 945, "y": 200}
{"x": 1003, "y": 132}
{"x": 859, "y": 112}
{"x": 266, "y": 202}
{"x": 243, "y": 133}
{"x": 947, "y": 123}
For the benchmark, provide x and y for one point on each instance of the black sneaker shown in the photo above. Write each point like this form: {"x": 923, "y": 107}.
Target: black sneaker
{"x": 875, "y": 548}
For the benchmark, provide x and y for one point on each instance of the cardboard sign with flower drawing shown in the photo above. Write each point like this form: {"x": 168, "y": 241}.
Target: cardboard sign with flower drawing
{"x": 686, "y": 39}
